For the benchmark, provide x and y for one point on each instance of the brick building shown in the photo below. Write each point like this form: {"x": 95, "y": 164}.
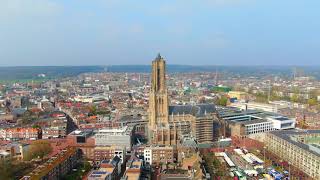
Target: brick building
{"x": 23, "y": 133}
{"x": 83, "y": 140}
{"x": 160, "y": 154}
{"x": 56, "y": 167}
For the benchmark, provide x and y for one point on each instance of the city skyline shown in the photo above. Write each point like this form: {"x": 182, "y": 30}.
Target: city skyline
{"x": 159, "y": 90}
{"x": 218, "y": 32}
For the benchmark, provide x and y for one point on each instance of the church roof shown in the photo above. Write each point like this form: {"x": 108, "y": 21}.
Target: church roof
{"x": 196, "y": 110}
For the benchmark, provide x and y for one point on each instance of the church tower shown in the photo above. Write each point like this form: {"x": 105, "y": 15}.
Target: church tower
{"x": 158, "y": 100}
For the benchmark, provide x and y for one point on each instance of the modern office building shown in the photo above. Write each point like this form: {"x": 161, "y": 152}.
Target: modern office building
{"x": 300, "y": 148}
{"x": 249, "y": 122}
{"x": 257, "y": 126}
{"x": 257, "y": 106}
{"x": 282, "y": 122}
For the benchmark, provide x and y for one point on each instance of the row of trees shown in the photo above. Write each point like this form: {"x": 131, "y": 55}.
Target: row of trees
{"x": 13, "y": 170}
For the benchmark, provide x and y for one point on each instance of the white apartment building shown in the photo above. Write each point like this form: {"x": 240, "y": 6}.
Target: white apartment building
{"x": 258, "y": 126}
{"x": 282, "y": 122}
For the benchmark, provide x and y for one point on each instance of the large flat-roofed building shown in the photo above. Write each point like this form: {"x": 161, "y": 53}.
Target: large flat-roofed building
{"x": 248, "y": 122}
{"x": 301, "y": 148}
{"x": 114, "y": 137}
{"x": 282, "y": 122}
{"x": 251, "y": 127}
{"x": 257, "y": 106}
{"x": 167, "y": 124}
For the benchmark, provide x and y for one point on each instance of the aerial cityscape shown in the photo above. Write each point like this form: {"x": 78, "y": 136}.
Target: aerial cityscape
{"x": 137, "y": 100}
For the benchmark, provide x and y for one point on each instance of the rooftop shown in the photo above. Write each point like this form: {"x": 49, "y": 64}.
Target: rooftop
{"x": 98, "y": 174}
{"x": 291, "y": 136}
{"x": 114, "y": 130}
{"x": 85, "y": 132}
{"x": 198, "y": 110}
{"x": 53, "y": 162}
{"x": 255, "y": 121}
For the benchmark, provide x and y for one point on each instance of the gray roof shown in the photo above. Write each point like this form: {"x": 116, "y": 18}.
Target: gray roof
{"x": 285, "y": 135}
{"x": 198, "y": 110}
{"x": 255, "y": 121}
{"x": 232, "y": 113}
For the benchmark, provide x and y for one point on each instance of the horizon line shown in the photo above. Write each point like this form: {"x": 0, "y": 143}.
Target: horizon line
{"x": 202, "y": 65}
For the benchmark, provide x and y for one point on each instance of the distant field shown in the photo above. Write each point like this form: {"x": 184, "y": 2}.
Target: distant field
{"x": 30, "y": 73}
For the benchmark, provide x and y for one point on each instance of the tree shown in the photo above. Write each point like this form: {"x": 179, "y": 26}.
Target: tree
{"x": 312, "y": 102}
{"x": 6, "y": 169}
{"x": 36, "y": 126}
{"x": 11, "y": 170}
{"x": 222, "y": 101}
{"x": 39, "y": 149}
{"x": 92, "y": 110}
{"x": 294, "y": 98}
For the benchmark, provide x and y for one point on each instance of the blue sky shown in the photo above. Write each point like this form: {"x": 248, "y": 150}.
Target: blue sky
{"x": 196, "y": 32}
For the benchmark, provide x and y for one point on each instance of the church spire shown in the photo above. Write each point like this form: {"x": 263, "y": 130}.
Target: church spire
{"x": 158, "y": 57}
